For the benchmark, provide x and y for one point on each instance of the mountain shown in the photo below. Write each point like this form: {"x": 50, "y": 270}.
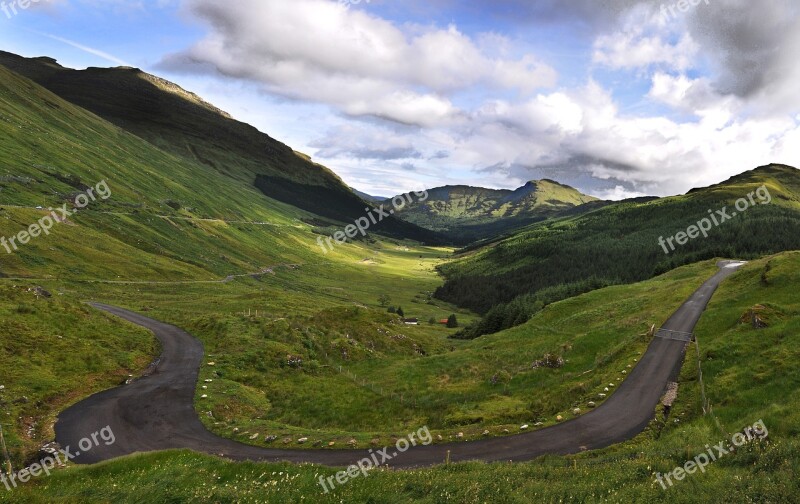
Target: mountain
{"x": 170, "y": 217}
{"x": 181, "y": 123}
{"x": 368, "y": 197}
{"x": 625, "y": 242}
{"x": 467, "y": 213}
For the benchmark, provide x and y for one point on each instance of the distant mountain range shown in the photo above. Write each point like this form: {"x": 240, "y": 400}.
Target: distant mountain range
{"x": 619, "y": 242}
{"x": 467, "y": 213}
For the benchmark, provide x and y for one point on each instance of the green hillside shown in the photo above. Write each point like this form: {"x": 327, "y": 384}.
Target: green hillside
{"x": 466, "y": 214}
{"x": 189, "y": 244}
{"x": 180, "y": 123}
{"x": 619, "y": 243}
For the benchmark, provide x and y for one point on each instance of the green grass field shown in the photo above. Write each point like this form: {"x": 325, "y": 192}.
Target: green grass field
{"x": 749, "y": 375}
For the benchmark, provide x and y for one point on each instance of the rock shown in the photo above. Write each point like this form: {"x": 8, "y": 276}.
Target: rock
{"x": 318, "y": 442}
{"x": 624, "y": 372}
{"x": 236, "y": 429}
{"x": 602, "y": 395}
{"x": 438, "y": 437}
{"x": 486, "y": 433}
{"x": 302, "y": 440}
{"x": 605, "y": 389}
{"x": 254, "y": 436}
{"x": 524, "y": 427}
{"x": 538, "y": 424}
{"x": 204, "y": 387}
{"x": 41, "y": 292}
{"x": 204, "y": 396}
{"x": 50, "y": 451}
{"x": 610, "y": 384}
{"x": 287, "y": 440}
{"x": 352, "y": 442}
{"x": 576, "y": 411}
{"x": 591, "y": 404}
{"x": 460, "y": 435}
{"x": 375, "y": 442}
{"x": 212, "y": 363}
{"x": 270, "y": 439}
{"x": 559, "y": 418}
{"x": 506, "y": 431}
{"x": 209, "y": 380}
{"x": 331, "y": 443}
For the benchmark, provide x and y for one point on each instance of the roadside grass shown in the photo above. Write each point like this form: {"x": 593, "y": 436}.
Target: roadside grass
{"x": 741, "y": 389}
{"x": 55, "y": 352}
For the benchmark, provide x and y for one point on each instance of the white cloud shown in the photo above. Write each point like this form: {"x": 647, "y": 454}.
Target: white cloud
{"x": 90, "y": 50}
{"x": 645, "y": 39}
{"x": 616, "y": 193}
{"x": 364, "y": 65}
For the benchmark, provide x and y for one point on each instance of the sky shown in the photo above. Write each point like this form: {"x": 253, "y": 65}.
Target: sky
{"x": 618, "y": 98}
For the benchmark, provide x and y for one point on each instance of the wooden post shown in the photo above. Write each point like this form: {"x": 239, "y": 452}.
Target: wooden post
{"x": 700, "y": 377}
{"x": 5, "y": 452}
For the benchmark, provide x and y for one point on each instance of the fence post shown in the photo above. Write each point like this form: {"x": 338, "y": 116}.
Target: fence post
{"x": 700, "y": 376}
{"x": 5, "y": 452}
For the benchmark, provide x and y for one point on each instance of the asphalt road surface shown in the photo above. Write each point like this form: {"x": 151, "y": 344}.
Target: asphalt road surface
{"x": 157, "y": 412}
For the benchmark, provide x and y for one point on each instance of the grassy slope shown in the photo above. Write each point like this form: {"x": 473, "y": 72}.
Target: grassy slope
{"x": 181, "y": 123}
{"x": 750, "y": 374}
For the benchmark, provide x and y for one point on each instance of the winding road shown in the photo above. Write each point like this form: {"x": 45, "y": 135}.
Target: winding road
{"x": 157, "y": 412}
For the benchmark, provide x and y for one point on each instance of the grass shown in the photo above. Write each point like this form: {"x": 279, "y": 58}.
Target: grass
{"x": 738, "y": 362}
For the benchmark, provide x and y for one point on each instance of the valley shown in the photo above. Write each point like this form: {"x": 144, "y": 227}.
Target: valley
{"x": 512, "y": 325}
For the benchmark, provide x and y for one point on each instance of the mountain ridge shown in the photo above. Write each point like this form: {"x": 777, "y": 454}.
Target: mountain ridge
{"x": 181, "y": 123}
{"x": 618, "y": 242}
{"x": 467, "y": 213}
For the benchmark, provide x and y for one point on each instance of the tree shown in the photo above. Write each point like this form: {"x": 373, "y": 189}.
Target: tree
{"x": 452, "y": 322}
{"x": 400, "y": 311}
{"x": 392, "y": 309}
{"x": 383, "y": 299}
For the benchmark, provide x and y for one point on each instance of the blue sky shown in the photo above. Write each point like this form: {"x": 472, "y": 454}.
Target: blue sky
{"x": 618, "y": 98}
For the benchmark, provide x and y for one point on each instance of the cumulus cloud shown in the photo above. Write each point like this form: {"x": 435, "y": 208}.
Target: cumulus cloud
{"x": 362, "y": 64}
{"x": 645, "y": 38}
{"x": 363, "y": 142}
{"x": 753, "y": 48}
